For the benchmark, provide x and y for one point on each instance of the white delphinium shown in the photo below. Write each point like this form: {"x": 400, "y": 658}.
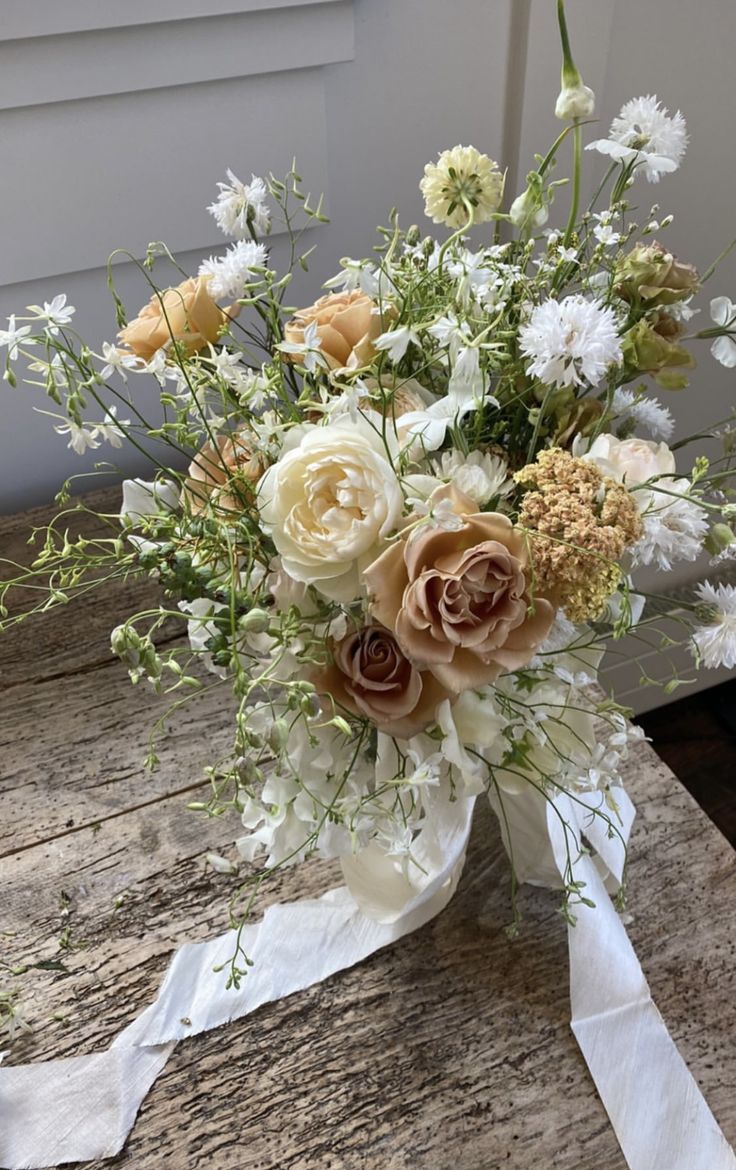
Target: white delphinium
{"x": 86, "y": 436}
{"x": 395, "y": 342}
{"x": 361, "y": 274}
{"x": 604, "y": 232}
{"x": 643, "y": 412}
{"x": 117, "y": 361}
{"x": 716, "y": 638}
{"x": 645, "y": 133}
{"x": 240, "y": 206}
{"x": 230, "y": 273}
{"x": 477, "y": 474}
{"x": 56, "y": 313}
{"x": 723, "y": 312}
{"x": 13, "y": 336}
{"x": 675, "y": 526}
{"x": 308, "y": 351}
{"x": 570, "y": 342}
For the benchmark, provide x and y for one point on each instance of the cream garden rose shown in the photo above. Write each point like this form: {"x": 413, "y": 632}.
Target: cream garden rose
{"x": 630, "y": 461}
{"x": 329, "y": 504}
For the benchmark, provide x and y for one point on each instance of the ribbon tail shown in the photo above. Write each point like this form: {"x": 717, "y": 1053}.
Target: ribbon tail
{"x": 658, "y": 1113}
{"x": 83, "y": 1107}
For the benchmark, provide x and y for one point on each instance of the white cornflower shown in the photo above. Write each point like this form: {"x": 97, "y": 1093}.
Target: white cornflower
{"x": 117, "y": 361}
{"x": 675, "y": 526}
{"x": 570, "y": 342}
{"x": 644, "y": 412}
{"x": 240, "y": 206}
{"x": 396, "y": 341}
{"x": 646, "y": 134}
{"x": 716, "y": 640}
{"x": 13, "y": 335}
{"x": 231, "y": 272}
{"x": 478, "y": 475}
{"x": 463, "y": 182}
{"x": 57, "y": 313}
{"x": 723, "y": 312}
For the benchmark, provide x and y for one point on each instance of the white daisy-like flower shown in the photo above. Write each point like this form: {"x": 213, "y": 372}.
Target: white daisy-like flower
{"x": 716, "y": 639}
{"x": 56, "y": 313}
{"x": 723, "y": 312}
{"x": 477, "y": 474}
{"x": 606, "y": 235}
{"x": 240, "y": 206}
{"x": 230, "y": 273}
{"x": 675, "y": 526}
{"x": 570, "y": 342}
{"x": 644, "y": 412}
{"x": 13, "y": 335}
{"x": 646, "y": 134}
{"x": 462, "y": 182}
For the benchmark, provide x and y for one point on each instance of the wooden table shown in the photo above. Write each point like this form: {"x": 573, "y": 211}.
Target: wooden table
{"x": 451, "y": 1049}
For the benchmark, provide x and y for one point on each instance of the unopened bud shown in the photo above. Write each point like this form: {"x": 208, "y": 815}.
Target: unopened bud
{"x": 278, "y": 736}
{"x": 575, "y": 101}
{"x": 720, "y": 537}
{"x": 256, "y": 621}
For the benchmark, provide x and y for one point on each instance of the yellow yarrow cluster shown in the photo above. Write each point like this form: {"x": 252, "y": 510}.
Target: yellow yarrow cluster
{"x": 580, "y": 522}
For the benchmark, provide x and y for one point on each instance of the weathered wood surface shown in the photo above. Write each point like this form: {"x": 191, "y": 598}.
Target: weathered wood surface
{"x": 450, "y": 1049}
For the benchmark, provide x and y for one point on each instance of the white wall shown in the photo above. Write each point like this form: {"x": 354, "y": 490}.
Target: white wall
{"x": 116, "y": 121}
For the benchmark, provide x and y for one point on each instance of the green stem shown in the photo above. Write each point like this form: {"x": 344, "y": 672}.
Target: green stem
{"x": 577, "y": 140}
{"x": 711, "y": 269}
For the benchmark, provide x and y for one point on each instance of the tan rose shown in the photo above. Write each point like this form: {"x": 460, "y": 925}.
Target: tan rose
{"x": 186, "y": 314}
{"x": 223, "y": 474}
{"x": 371, "y": 676}
{"x": 458, "y": 599}
{"x": 347, "y": 325}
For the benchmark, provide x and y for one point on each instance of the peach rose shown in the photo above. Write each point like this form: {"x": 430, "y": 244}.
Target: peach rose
{"x": 186, "y": 314}
{"x": 458, "y": 599}
{"x": 347, "y": 325}
{"x": 218, "y": 470}
{"x": 371, "y": 676}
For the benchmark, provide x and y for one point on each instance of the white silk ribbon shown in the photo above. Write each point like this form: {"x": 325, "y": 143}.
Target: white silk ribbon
{"x": 84, "y": 1107}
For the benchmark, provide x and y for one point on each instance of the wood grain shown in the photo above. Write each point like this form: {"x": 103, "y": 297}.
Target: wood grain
{"x": 450, "y": 1049}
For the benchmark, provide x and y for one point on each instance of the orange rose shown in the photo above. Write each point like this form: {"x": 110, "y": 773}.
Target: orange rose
{"x": 458, "y": 599}
{"x": 218, "y": 471}
{"x": 371, "y": 676}
{"x": 186, "y": 314}
{"x": 347, "y": 325}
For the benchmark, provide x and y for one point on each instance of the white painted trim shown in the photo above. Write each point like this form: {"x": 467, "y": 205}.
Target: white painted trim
{"x": 49, "y": 70}
{"x": 43, "y": 18}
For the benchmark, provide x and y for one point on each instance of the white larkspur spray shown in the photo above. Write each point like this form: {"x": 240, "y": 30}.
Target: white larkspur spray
{"x": 646, "y": 134}
{"x": 240, "y": 206}
{"x": 570, "y": 342}
{"x": 230, "y": 273}
{"x": 716, "y": 638}
{"x": 723, "y": 312}
{"x": 462, "y": 181}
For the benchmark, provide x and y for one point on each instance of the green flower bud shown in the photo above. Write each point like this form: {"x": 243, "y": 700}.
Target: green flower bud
{"x": 652, "y": 348}
{"x": 652, "y": 274}
{"x": 278, "y": 736}
{"x": 256, "y": 621}
{"x": 529, "y": 210}
{"x": 720, "y": 537}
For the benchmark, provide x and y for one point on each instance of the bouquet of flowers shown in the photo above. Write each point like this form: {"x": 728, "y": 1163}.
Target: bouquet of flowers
{"x": 403, "y": 522}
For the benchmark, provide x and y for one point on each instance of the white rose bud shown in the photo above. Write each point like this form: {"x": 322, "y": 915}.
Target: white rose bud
{"x": 575, "y": 101}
